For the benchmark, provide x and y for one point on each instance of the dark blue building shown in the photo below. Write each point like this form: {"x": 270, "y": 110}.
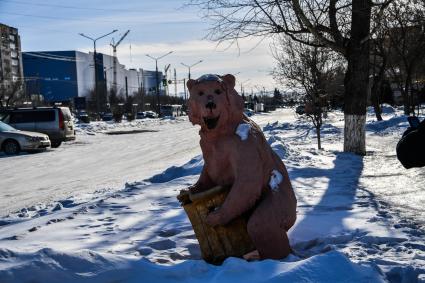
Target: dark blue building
{"x": 59, "y": 76}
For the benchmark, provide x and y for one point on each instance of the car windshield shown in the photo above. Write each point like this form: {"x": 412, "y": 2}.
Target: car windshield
{"x": 6, "y": 128}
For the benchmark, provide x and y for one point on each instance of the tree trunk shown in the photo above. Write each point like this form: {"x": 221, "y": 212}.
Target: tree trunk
{"x": 406, "y": 103}
{"x": 357, "y": 79}
{"x": 407, "y": 96}
{"x": 377, "y": 93}
{"x": 354, "y": 134}
{"x": 319, "y": 143}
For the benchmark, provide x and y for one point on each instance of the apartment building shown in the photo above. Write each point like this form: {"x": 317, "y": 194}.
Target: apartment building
{"x": 10, "y": 55}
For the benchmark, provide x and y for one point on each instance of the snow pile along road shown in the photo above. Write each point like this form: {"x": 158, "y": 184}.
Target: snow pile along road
{"x": 101, "y": 127}
{"x": 345, "y": 231}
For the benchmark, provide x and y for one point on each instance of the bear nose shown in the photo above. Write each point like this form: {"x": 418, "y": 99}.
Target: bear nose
{"x": 210, "y": 105}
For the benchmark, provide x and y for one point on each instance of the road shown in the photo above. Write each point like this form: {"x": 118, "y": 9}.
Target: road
{"x": 99, "y": 162}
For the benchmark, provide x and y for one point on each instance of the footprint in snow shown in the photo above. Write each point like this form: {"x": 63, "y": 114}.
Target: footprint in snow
{"x": 165, "y": 244}
{"x": 168, "y": 232}
{"x": 144, "y": 251}
{"x": 33, "y": 229}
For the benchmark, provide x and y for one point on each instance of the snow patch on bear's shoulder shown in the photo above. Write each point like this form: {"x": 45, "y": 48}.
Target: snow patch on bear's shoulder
{"x": 275, "y": 179}
{"x": 243, "y": 130}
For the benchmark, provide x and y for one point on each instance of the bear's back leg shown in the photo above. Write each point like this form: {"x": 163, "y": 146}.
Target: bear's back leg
{"x": 267, "y": 230}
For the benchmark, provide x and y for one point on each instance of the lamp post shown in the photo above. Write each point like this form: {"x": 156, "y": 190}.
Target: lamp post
{"x": 190, "y": 66}
{"x": 157, "y": 78}
{"x": 95, "y": 64}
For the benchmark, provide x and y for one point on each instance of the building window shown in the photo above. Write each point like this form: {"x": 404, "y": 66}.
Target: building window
{"x": 14, "y": 54}
{"x": 11, "y": 37}
{"x": 15, "y": 63}
{"x": 12, "y": 45}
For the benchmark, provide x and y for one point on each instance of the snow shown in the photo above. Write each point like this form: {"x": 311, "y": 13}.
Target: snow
{"x": 50, "y": 264}
{"x": 243, "y": 130}
{"x": 275, "y": 179}
{"x": 360, "y": 219}
{"x": 96, "y": 161}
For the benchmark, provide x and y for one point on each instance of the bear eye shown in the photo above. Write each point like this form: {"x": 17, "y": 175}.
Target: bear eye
{"x": 201, "y": 93}
{"x": 217, "y": 91}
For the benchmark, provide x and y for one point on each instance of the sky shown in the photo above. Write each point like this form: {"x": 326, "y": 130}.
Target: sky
{"x": 156, "y": 27}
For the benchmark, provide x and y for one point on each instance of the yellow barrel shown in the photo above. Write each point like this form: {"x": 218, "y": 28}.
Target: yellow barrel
{"x": 220, "y": 242}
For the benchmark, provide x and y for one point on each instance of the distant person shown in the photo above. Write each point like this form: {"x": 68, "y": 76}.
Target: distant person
{"x": 411, "y": 147}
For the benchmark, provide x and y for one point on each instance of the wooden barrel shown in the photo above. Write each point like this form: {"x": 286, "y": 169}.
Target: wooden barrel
{"x": 220, "y": 242}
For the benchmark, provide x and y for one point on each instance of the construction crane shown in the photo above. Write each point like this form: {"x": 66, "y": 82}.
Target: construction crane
{"x": 114, "y": 47}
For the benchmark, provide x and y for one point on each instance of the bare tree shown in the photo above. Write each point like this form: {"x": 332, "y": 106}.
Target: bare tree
{"x": 311, "y": 68}
{"x": 403, "y": 43}
{"x": 10, "y": 93}
{"x": 341, "y": 25}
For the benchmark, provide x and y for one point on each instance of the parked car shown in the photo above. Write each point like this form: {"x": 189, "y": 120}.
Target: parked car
{"x": 56, "y": 122}
{"x": 107, "y": 117}
{"x": 12, "y": 141}
{"x": 140, "y": 115}
{"x": 83, "y": 117}
{"x": 248, "y": 112}
{"x": 151, "y": 114}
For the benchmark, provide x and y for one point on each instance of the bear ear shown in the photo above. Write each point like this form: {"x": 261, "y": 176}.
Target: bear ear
{"x": 193, "y": 114}
{"x": 190, "y": 83}
{"x": 229, "y": 80}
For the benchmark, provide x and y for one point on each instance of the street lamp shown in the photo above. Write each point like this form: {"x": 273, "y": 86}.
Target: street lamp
{"x": 190, "y": 66}
{"x": 95, "y": 64}
{"x": 157, "y": 79}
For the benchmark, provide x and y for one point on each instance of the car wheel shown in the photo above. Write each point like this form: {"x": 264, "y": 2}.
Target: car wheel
{"x": 11, "y": 147}
{"x": 55, "y": 144}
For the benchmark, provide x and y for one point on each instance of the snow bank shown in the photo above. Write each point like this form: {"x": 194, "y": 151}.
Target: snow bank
{"x": 193, "y": 167}
{"x": 48, "y": 265}
{"x": 347, "y": 229}
{"x": 385, "y": 109}
{"x": 101, "y": 127}
{"x": 394, "y": 124}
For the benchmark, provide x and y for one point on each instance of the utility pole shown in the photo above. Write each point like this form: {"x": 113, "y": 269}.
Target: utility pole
{"x": 175, "y": 82}
{"x": 166, "y": 68}
{"x": 126, "y": 88}
{"x": 157, "y": 79}
{"x": 190, "y": 66}
{"x": 184, "y": 88}
{"x": 142, "y": 90}
{"x": 242, "y": 86}
{"x": 95, "y": 65}
{"x": 114, "y": 48}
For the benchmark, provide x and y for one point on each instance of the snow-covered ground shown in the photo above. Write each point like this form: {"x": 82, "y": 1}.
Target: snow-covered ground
{"x": 98, "y": 161}
{"x": 95, "y": 161}
{"x": 359, "y": 219}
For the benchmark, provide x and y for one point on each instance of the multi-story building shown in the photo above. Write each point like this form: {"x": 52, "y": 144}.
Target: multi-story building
{"x": 61, "y": 76}
{"x": 10, "y": 55}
